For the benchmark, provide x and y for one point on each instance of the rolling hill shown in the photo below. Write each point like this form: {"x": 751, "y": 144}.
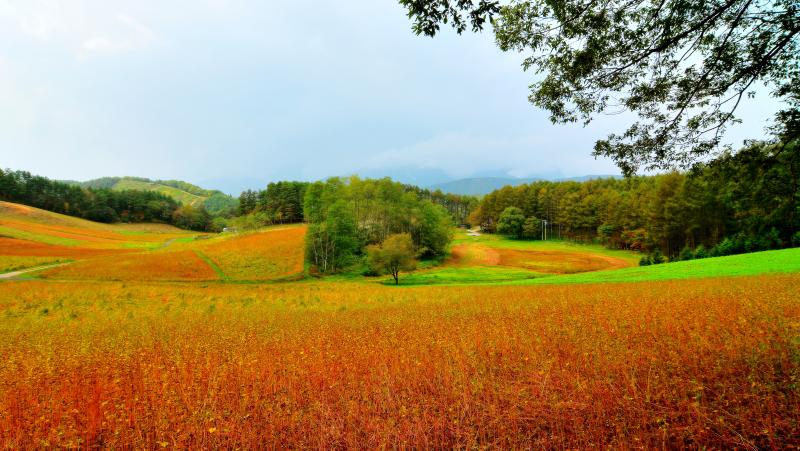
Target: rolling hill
{"x": 186, "y": 193}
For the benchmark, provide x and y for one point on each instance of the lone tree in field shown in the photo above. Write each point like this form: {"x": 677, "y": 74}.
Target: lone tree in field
{"x": 395, "y": 254}
{"x": 511, "y": 222}
{"x": 682, "y": 66}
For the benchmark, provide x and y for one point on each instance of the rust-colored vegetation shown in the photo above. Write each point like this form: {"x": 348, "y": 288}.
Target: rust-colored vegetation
{"x": 266, "y": 255}
{"x": 26, "y": 248}
{"x": 33, "y": 224}
{"x": 705, "y": 363}
{"x": 166, "y": 266}
{"x": 542, "y": 261}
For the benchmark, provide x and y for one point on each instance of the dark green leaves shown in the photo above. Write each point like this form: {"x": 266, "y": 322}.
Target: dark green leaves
{"x": 682, "y": 66}
{"x": 428, "y": 15}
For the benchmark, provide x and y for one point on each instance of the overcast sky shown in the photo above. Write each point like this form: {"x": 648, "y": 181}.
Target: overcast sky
{"x": 235, "y": 93}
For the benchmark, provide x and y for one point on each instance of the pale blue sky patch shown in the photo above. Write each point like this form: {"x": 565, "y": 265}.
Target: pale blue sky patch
{"x": 236, "y": 93}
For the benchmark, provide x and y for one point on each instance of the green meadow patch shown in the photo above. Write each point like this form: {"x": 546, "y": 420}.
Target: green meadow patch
{"x": 767, "y": 262}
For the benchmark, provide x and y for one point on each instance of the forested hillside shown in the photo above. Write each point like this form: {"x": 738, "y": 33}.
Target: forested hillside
{"x": 740, "y": 202}
{"x": 99, "y": 204}
{"x": 216, "y": 202}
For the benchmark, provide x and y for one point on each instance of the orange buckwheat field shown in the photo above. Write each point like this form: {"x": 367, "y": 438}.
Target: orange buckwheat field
{"x": 316, "y": 365}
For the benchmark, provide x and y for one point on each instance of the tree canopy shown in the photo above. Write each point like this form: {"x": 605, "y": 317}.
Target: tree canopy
{"x": 683, "y": 67}
{"x": 511, "y": 222}
{"x": 740, "y": 202}
{"x": 345, "y": 215}
{"x": 395, "y": 254}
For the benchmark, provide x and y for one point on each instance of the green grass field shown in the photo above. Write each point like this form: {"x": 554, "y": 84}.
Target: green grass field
{"x": 175, "y": 193}
{"x": 468, "y": 275}
{"x": 767, "y": 262}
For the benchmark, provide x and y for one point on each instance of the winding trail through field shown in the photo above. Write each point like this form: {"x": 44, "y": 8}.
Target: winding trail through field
{"x": 167, "y": 243}
{"x": 14, "y": 274}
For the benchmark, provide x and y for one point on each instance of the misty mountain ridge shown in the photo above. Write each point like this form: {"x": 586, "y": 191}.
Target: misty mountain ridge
{"x": 432, "y": 179}
{"x": 479, "y": 186}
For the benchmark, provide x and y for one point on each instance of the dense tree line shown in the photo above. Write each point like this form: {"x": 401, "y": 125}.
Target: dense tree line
{"x": 281, "y": 202}
{"x": 740, "y": 202}
{"x": 458, "y": 205}
{"x": 346, "y": 215}
{"x": 99, "y": 204}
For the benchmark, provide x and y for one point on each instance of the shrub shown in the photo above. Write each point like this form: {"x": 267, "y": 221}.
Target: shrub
{"x": 725, "y": 247}
{"x": 751, "y": 245}
{"x": 796, "y": 239}
{"x": 770, "y": 240}
{"x": 657, "y": 258}
{"x": 645, "y": 261}
{"x": 686, "y": 253}
{"x": 700, "y": 252}
{"x": 103, "y": 214}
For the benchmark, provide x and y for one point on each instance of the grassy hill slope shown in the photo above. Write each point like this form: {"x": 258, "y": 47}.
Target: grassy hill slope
{"x": 186, "y": 193}
{"x": 33, "y": 225}
{"x": 767, "y": 262}
{"x": 179, "y": 195}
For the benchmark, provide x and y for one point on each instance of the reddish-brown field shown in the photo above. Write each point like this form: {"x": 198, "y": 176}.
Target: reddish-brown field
{"x": 32, "y": 224}
{"x": 542, "y": 261}
{"x": 165, "y": 266}
{"x": 26, "y": 248}
{"x": 712, "y": 363}
{"x": 266, "y": 255}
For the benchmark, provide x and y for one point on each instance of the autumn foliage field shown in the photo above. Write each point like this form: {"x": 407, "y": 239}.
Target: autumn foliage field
{"x": 220, "y": 342}
{"x": 318, "y": 365}
{"x": 34, "y": 225}
{"x": 143, "y": 252}
{"x": 545, "y": 261}
{"x": 166, "y": 266}
{"x": 272, "y": 254}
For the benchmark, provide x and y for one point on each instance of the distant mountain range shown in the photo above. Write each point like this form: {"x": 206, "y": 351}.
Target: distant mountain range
{"x": 480, "y": 186}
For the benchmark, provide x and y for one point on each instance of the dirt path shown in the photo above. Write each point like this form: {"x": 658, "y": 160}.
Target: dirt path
{"x": 474, "y": 232}
{"x": 15, "y": 274}
{"x": 167, "y": 243}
